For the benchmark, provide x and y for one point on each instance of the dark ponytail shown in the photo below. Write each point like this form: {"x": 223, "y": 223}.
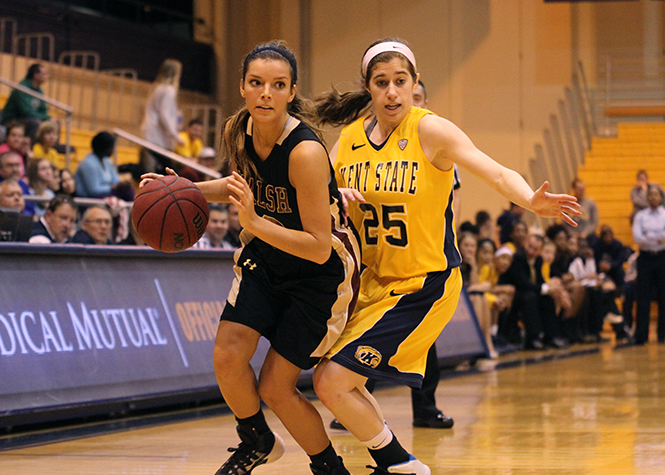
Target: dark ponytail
{"x": 336, "y": 109}
{"x": 234, "y": 127}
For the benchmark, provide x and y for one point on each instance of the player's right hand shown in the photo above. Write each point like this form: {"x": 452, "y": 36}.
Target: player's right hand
{"x": 148, "y": 177}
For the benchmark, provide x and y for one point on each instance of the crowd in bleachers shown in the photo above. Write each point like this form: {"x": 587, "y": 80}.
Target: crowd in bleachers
{"x": 530, "y": 288}
{"x": 538, "y": 289}
{"x": 40, "y": 198}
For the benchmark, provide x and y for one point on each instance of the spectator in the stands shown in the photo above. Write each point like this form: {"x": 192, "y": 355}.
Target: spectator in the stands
{"x": 16, "y": 143}
{"x": 218, "y": 225}
{"x": 233, "y": 234}
{"x": 45, "y": 142}
{"x": 67, "y": 183}
{"x": 506, "y": 221}
{"x": 24, "y": 108}
{"x": 131, "y": 173}
{"x": 588, "y": 222}
{"x": 40, "y": 177}
{"x": 610, "y": 255}
{"x": 638, "y": 195}
{"x": 484, "y": 225}
{"x": 535, "y": 300}
{"x": 649, "y": 235}
{"x": 517, "y": 236}
{"x": 10, "y": 168}
{"x": 96, "y": 175}
{"x": 96, "y": 226}
{"x": 11, "y": 195}
{"x": 57, "y": 223}
{"x": 207, "y": 158}
{"x": 14, "y": 226}
{"x": 191, "y": 140}
{"x": 160, "y": 121}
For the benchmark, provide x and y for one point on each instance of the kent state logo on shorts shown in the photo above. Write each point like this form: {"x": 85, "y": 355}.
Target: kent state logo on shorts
{"x": 368, "y": 356}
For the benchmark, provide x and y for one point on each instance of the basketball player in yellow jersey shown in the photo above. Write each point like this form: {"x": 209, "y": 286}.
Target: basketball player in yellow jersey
{"x": 398, "y": 165}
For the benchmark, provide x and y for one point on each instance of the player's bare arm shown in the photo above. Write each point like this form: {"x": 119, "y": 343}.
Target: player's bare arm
{"x": 444, "y": 144}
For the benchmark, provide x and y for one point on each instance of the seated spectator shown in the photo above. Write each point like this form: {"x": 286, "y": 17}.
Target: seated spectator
{"x": 67, "y": 183}
{"x": 191, "y": 145}
{"x": 499, "y": 297}
{"x": 40, "y": 176}
{"x": 517, "y": 236}
{"x": 638, "y": 195}
{"x": 131, "y": 173}
{"x": 24, "y": 108}
{"x": 469, "y": 227}
{"x": 57, "y": 223}
{"x": 233, "y": 234}
{"x": 218, "y": 225}
{"x": 207, "y": 158}
{"x": 588, "y": 222}
{"x": 535, "y": 300}
{"x": 16, "y": 143}
{"x": 600, "y": 291}
{"x": 14, "y": 226}
{"x": 10, "y": 166}
{"x": 475, "y": 289}
{"x": 45, "y": 142}
{"x": 610, "y": 255}
{"x": 506, "y": 221}
{"x": 96, "y": 175}
{"x": 96, "y": 227}
{"x": 484, "y": 225}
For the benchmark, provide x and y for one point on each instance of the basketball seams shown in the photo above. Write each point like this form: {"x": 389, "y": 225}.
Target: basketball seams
{"x": 156, "y": 214}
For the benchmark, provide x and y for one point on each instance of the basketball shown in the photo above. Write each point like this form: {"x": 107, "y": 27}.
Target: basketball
{"x": 170, "y": 214}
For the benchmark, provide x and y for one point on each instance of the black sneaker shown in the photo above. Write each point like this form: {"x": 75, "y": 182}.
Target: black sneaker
{"x": 335, "y": 424}
{"x": 339, "y": 470}
{"x": 440, "y": 421}
{"x": 254, "y": 450}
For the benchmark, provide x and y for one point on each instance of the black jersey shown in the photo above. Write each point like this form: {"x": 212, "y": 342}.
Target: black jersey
{"x": 275, "y": 198}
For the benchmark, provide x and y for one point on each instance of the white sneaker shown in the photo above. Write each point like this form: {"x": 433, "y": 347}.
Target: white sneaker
{"x": 412, "y": 467}
{"x": 613, "y": 318}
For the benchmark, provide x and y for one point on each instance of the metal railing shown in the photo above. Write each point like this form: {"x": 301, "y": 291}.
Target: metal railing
{"x": 167, "y": 153}
{"x": 38, "y": 46}
{"x": 79, "y": 201}
{"x": 77, "y": 62}
{"x": 69, "y": 111}
{"x": 8, "y": 27}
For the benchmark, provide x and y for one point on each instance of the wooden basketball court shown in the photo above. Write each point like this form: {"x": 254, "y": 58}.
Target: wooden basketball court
{"x": 585, "y": 412}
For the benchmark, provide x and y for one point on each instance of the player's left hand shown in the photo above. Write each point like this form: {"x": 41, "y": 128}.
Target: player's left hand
{"x": 243, "y": 197}
{"x": 549, "y": 205}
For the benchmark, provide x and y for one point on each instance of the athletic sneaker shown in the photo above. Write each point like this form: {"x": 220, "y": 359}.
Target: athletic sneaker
{"x": 254, "y": 450}
{"x": 339, "y": 470}
{"x": 411, "y": 467}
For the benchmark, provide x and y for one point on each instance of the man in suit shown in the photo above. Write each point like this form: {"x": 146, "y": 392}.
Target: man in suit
{"x": 535, "y": 300}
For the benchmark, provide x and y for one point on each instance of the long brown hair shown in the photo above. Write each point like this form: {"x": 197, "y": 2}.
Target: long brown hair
{"x": 337, "y": 108}
{"x": 233, "y": 128}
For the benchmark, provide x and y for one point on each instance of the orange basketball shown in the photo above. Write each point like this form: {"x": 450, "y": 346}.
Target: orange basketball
{"x": 170, "y": 214}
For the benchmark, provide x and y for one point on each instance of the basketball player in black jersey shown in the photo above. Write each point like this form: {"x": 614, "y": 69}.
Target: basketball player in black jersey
{"x": 296, "y": 273}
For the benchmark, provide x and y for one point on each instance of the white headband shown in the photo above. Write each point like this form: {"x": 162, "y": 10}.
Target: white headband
{"x": 384, "y": 47}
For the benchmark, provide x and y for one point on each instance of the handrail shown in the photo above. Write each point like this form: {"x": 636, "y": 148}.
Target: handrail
{"x": 57, "y": 104}
{"x": 79, "y": 201}
{"x": 167, "y": 153}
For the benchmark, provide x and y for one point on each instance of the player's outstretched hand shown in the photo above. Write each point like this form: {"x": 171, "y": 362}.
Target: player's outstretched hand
{"x": 241, "y": 195}
{"x": 549, "y": 205}
{"x": 148, "y": 177}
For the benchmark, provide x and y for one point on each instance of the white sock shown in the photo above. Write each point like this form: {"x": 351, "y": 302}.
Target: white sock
{"x": 381, "y": 440}
{"x": 494, "y": 329}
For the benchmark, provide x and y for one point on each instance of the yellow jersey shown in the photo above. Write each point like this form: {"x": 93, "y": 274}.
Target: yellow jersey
{"x": 406, "y": 225}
